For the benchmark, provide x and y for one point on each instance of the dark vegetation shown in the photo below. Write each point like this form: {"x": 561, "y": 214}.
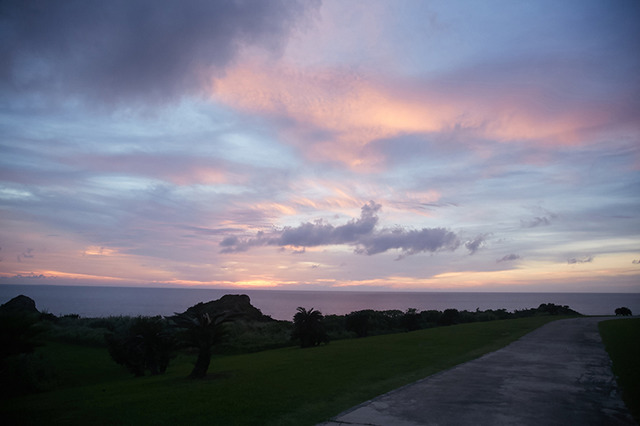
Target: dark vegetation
{"x": 228, "y": 326}
{"x": 623, "y": 311}
{"x": 370, "y": 323}
{"x": 286, "y": 386}
{"x": 226, "y": 341}
{"x": 622, "y": 340}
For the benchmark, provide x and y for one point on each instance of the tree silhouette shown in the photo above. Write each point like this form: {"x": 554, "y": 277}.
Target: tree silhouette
{"x": 449, "y": 317}
{"x": 146, "y": 344}
{"x": 201, "y": 331}
{"x": 411, "y": 319}
{"x": 358, "y": 322}
{"x": 308, "y": 328}
{"x": 623, "y": 311}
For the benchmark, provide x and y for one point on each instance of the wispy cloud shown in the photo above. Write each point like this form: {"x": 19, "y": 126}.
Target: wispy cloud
{"x": 583, "y": 259}
{"x": 27, "y": 254}
{"x": 535, "y": 222}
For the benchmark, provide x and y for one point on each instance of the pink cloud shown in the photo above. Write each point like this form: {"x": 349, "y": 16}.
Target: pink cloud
{"x": 336, "y": 113}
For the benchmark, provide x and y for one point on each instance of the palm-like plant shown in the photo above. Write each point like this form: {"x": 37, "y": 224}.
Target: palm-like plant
{"x": 308, "y": 328}
{"x": 201, "y": 331}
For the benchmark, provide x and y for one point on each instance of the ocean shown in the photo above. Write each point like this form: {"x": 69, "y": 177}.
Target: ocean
{"x": 281, "y": 304}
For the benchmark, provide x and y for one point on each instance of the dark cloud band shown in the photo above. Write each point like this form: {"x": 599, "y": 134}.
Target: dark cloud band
{"x": 121, "y": 50}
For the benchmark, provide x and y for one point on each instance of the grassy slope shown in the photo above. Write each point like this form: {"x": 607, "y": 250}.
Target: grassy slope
{"x": 622, "y": 340}
{"x": 287, "y": 386}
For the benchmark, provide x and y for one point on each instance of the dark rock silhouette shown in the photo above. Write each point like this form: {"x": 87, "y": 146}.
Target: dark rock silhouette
{"x": 19, "y": 305}
{"x": 235, "y": 305}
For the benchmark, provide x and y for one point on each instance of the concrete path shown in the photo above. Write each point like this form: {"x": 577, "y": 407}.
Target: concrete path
{"x": 559, "y": 374}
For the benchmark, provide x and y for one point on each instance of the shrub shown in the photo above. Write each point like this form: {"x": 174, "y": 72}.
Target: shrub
{"x": 623, "y": 311}
{"x": 411, "y": 319}
{"x": 449, "y": 317}
{"x": 147, "y": 345}
{"x": 25, "y": 373}
{"x": 18, "y": 333}
{"x": 21, "y": 371}
{"x": 552, "y": 309}
{"x": 358, "y": 322}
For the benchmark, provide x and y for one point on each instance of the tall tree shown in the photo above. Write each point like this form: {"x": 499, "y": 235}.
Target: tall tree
{"x": 308, "y": 328}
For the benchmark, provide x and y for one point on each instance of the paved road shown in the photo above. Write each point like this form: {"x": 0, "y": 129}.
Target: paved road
{"x": 560, "y": 374}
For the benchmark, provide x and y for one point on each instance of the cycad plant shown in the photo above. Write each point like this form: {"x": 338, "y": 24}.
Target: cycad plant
{"x": 201, "y": 331}
{"x": 308, "y": 328}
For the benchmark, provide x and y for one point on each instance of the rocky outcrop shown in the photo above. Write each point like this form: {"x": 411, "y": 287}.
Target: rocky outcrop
{"x": 234, "y": 305}
{"x": 19, "y": 305}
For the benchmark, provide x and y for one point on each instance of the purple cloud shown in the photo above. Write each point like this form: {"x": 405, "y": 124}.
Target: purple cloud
{"x": 310, "y": 234}
{"x": 360, "y": 233}
{"x": 509, "y": 258}
{"x": 584, "y": 259}
{"x": 409, "y": 241}
{"x": 321, "y": 234}
{"x": 475, "y": 244}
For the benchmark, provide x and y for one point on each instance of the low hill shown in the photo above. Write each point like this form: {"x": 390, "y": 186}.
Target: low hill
{"x": 236, "y": 305}
{"x": 19, "y": 305}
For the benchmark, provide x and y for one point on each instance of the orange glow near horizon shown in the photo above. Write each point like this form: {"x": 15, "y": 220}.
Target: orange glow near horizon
{"x": 548, "y": 277}
{"x": 64, "y": 275}
{"x": 99, "y": 251}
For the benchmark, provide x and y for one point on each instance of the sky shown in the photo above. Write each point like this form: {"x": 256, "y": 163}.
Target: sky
{"x": 397, "y": 145}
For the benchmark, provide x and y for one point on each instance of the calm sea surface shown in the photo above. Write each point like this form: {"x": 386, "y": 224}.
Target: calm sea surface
{"x": 280, "y": 304}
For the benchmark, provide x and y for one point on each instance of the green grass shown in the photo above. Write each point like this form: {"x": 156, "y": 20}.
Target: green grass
{"x": 288, "y": 386}
{"x": 622, "y": 341}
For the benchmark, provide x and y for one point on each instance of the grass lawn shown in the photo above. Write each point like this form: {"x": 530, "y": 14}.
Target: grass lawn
{"x": 289, "y": 386}
{"x": 622, "y": 341}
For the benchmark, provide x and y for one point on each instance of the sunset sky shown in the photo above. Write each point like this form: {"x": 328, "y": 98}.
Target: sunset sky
{"x": 360, "y": 145}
